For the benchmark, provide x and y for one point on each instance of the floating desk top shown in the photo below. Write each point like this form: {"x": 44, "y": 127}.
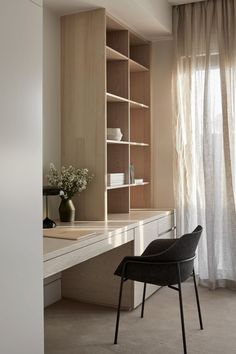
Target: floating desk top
{"x": 102, "y": 236}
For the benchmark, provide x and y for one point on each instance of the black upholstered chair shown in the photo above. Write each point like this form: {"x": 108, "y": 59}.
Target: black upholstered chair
{"x": 165, "y": 262}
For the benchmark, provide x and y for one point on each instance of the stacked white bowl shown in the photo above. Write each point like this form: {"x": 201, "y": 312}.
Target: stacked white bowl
{"x": 114, "y": 134}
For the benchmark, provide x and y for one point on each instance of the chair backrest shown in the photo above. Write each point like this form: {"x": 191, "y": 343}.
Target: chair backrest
{"x": 184, "y": 247}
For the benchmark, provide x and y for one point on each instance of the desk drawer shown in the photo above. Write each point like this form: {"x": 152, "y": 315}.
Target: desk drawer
{"x": 170, "y": 234}
{"x": 165, "y": 224}
{"x": 82, "y": 254}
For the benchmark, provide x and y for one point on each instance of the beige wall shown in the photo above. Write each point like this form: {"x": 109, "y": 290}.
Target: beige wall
{"x": 51, "y": 98}
{"x": 162, "y": 132}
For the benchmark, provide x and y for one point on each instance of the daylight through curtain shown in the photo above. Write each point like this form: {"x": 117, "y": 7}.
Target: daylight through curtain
{"x": 204, "y": 87}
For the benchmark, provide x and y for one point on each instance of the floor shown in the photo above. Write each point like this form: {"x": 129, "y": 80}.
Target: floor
{"x": 74, "y": 328}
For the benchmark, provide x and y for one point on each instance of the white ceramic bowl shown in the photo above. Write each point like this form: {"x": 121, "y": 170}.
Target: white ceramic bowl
{"x": 113, "y": 131}
{"x": 114, "y": 134}
{"x": 116, "y": 137}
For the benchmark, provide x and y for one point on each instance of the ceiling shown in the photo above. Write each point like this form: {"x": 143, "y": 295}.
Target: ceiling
{"x": 150, "y": 18}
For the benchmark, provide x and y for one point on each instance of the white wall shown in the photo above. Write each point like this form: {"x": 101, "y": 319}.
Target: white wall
{"x": 162, "y": 130}
{"x": 51, "y": 99}
{"x": 21, "y": 259}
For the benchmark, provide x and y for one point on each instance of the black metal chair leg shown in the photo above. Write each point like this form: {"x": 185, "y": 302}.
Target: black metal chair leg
{"x": 198, "y": 302}
{"x": 118, "y": 310}
{"x": 181, "y": 310}
{"x": 143, "y": 302}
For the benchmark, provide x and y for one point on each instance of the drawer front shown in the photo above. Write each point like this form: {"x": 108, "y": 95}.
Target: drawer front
{"x": 165, "y": 224}
{"x": 82, "y": 254}
{"x": 144, "y": 234}
{"x": 170, "y": 234}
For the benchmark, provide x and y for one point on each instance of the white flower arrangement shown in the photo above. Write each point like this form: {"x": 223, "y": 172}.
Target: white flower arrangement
{"x": 70, "y": 180}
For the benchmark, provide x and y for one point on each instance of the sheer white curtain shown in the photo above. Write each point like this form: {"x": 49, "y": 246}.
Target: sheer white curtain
{"x": 204, "y": 86}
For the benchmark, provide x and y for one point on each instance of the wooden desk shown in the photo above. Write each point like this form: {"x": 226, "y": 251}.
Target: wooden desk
{"x": 88, "y": 263}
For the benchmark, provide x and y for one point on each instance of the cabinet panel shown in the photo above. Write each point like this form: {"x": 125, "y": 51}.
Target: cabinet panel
{"x": 83, "y": 106}
{"x": 143, "y": 236}
{"x": 166, "y": 223}
{"x": 94, "y": 281}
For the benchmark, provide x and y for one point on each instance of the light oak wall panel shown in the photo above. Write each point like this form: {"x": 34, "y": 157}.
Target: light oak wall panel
{"x": 117, "y": 159}
{"x": 118, "y": 200}
{"x": 119, "y": 40}
{"x": 140, "y": 126}
{"x": 83, "y": 105}
{"x": 141, "y": 54}
{"x": 117, "y": 78}
{"x": 94, "y": 281}
{"x": 162, "y": 125}
{"x": 140, "y": 87}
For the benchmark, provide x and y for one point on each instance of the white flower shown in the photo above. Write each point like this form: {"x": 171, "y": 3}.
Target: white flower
{"x": 70, "y": 181}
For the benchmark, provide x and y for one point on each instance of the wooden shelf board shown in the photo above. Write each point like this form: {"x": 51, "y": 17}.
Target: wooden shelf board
{"x": 126, "y": 143}
{"x": 136, "y": 105}
{"x": 138, "y": 144}
{"x": 139, "y": 184}
{"x": 135, "y": 67}
{"x": 115, "y": 98}
{"x": 117, "y": 142}
{"x": 113, "y": 54}
{"x": 116, "y": 187}
{"x": 127, "y": 185}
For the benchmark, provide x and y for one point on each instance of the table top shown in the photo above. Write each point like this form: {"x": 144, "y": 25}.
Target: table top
{"x": 116, "y": 224}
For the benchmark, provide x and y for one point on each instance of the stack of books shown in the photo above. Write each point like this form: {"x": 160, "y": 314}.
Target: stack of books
{"x": 115, "y": 179}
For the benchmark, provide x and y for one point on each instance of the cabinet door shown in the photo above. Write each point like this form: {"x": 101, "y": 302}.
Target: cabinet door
{"x": 144, "y": 234}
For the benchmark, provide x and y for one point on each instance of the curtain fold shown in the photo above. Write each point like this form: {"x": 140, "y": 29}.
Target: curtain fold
{"x": 204, "y": 91}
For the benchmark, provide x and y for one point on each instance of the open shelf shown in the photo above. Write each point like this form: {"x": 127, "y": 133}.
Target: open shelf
{"x": 112, "y": 54}
{"x": 134, "y": 66}
{"x": 118, "y": 78}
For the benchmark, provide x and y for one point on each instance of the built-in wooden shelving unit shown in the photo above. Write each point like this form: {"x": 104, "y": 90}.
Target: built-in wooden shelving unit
{"x": 106, "y": 84}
